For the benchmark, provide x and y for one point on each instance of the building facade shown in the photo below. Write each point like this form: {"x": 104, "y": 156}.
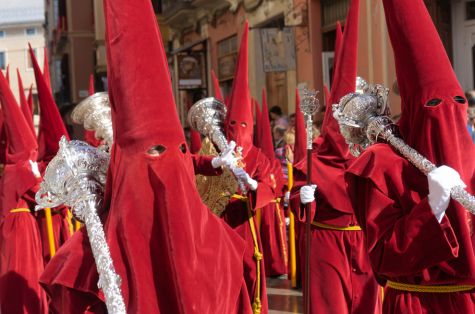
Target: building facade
{"x": 463, "y": 26}
{"x": 21, "y": 22}
{"x": 204, "y": 35}
{"x": 70, "y": 36}
{"x": 291, "y": 44}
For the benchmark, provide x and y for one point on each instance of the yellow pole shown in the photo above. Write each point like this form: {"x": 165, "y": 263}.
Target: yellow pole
{"x": 50, "y": 232}
{"x": 77, "y": 225}
{"x": 293, "y": 256}
{"x": 69, "y": 219}
{"x": 259, "y": 218}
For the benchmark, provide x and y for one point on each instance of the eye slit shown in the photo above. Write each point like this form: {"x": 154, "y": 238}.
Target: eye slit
{"x": 433, "y": 102}
{"x": 243, "y": 124}
{"x": 183, "y": 148}
{"x": 460, "y": 99}
{"x": 233, "y": 122}
{"x": 156, "y": 150}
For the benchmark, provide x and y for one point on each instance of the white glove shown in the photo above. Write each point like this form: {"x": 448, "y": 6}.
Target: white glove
{"x": 242, "y": 176}
{"x": 307, "y": 194}
{"x": 287, "y": 221}
{"x": 226, "y": 158}
{"x": 286, "y": 198}
{"x": 34, "y": 168}
{"x": 441, "y": 181}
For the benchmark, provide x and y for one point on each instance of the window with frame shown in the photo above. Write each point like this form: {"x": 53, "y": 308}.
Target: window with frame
{"x": 31, "y": 31}
{"x": 3, "y": 60}
{"x": 470, "y": 10}
{"x": 227, "y": 58}
{"x": 2, "y": 34}
{"x": 333, "y": 11}
{"x": 29, "y": 62}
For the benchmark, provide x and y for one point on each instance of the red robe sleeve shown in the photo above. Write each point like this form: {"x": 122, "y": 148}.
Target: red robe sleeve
{"x": 203, "y": 166}
{"x": 400, "y": 242}
{"x": 264, "y": 194}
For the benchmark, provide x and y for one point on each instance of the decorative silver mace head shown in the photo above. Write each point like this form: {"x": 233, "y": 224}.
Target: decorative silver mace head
{"x": 75, "y": 176}
{"x": 363, "y": 115}
{"x": 207, "y": 116}
{"x": 310, "y": 103}
{"x": 94, "y": 113}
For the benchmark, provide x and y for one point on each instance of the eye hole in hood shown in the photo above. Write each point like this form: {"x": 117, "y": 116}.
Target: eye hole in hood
{"x": 460, "y": 99}
{"x": 433, "y": 102}
{"x": 157, "y": 150}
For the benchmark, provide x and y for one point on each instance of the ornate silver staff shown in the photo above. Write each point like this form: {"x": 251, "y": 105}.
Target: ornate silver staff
{"x": 207, "y": 117}
{"x": 76, "y": 177}
{"x": 94, "y": 113}
{"x": 364, "y": 120}
{"x": 308, "y": 106}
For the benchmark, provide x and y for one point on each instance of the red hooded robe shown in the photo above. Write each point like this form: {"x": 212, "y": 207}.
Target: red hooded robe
{"x": 405, "y": 241}
{"x": 172, "y": 254}
{"x": 341, "y": 280}
{"x": 217, "y": 89}
{"x": 25, "y": 106}
{"x": 21, "y": 261}
{"x": 239, "y": 214}
{"x": 51, "y": 129}
{"x": 272, "y": 229}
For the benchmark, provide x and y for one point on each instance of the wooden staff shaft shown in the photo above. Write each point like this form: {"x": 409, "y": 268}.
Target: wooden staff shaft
{"x": 308, "y": 237}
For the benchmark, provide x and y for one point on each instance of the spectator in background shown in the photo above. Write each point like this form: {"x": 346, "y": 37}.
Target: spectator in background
{"x": 292, "y": 120}
{"x": 289, "y": 139}
{"x": 277, "y": 118}
{"x": 471, "y": 114}
{"x": 278, "y": 133}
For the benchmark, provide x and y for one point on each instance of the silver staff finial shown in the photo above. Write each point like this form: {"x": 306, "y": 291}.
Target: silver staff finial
{"x": 309, "y": 105}
{"x": 94, "y": 113}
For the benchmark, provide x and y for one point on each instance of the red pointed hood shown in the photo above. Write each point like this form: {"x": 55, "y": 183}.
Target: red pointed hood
{"x": 331, "y": 157}
{"x": 300, "y": 147}
{"x": 46, "y": 72}
{"x": 21, "y": 143}
{"x": 25, "y": 106}
{"x": 30, "y": 99}
{"x": 51, "y": 124}
{"x": 338, "y": 43}
{"x": 217, "y": 90}
{"x": 434, "y": 111}
{"x": 327, "y": 95}
{"x": 7, "y": 75}
{"x": 239, "y": 124}
{"x": 195, "y": 141}
{"x": 344, "y": 82}
{"x": 267, "y": 144}
{"x": 91, "y": 85}
{"x": 257, "y": 128}
{"x": 257, "y": 107}
{"x": 90, "y": 136}
{"x": 21, "y": 147}
{"x": 174, "y": 232}
{"x": 143, "y": 107}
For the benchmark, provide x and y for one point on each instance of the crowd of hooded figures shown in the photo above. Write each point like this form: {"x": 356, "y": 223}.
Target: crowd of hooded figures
{"x": 141, "y": 219}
